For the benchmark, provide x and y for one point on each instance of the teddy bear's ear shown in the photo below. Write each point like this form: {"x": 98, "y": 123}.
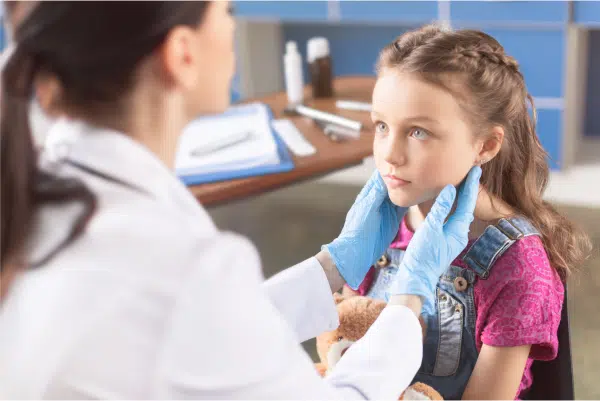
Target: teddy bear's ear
{"x": 337, "y": 297}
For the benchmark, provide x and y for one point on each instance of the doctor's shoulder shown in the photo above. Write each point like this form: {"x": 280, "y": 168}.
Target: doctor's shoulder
{"x": 155, "y": 242}
{"x": 130, "y": 234}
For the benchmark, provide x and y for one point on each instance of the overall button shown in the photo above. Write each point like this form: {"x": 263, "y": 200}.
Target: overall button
{"x": 460, "y": 284}
{"x": 457, "y": 309}
{"x": 383, "y": 261}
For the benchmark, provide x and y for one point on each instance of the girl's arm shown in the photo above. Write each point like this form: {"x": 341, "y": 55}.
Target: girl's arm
{"x": 498, "y": 373}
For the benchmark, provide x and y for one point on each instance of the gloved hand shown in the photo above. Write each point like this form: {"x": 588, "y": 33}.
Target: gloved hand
{"x": 436, "y": 244}
{"x": 371, "y": 225}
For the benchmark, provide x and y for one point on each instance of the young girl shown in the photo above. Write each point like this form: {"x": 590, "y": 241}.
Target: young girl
{"x": 445, "y": 101}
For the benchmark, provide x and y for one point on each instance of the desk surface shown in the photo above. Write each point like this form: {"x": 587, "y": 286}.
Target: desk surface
{"x": 330, "y": 156}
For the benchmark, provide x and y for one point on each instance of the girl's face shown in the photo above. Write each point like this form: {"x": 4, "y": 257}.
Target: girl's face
{"x": 422, "y": 140}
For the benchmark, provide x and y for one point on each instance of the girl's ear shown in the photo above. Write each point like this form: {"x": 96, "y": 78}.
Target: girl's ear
{"x": 490, "y": 146}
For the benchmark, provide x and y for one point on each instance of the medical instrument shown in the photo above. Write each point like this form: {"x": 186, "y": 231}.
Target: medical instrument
{"x": 352, "y": 105}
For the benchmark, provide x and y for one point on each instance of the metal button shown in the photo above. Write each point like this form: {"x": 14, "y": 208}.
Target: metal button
{"x": 443, "y": 298}
{"x": 383, "y": 261}
{"x": 457, "y": 309}
{"x": 460, "y": 284}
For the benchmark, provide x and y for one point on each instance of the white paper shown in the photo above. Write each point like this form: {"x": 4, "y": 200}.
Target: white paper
{"x": 259, "y": 150}
{"x": 293, "y": 138}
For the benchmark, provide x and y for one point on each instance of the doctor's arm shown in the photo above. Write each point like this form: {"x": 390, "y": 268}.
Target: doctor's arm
{"x": 227, "y": 340}
{"x": 303, "y": 295}
{"x": 305, "y": 289}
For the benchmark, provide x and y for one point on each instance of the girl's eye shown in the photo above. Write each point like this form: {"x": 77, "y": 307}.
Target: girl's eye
{"x": 381, "y": 127}
{"x": 419, "y": 133}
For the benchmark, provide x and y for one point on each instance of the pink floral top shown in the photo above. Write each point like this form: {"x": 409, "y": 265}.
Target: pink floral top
{"x": 519, "y": 303}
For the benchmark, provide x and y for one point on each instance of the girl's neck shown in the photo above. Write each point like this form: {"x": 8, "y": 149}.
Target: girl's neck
{"x": 488, "y": 211}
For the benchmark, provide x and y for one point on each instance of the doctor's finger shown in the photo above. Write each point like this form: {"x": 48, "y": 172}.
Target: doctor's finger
{"x": 467, "y": 195}
{"x": 441, "y": 208}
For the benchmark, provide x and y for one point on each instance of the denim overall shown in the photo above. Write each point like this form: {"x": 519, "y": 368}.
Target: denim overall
{"x": 450, "y": 353}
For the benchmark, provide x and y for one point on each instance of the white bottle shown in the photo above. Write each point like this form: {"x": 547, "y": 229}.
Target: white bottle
{"x": 294, "y": 79}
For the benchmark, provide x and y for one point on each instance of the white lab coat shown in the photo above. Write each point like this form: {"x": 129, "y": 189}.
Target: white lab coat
{"x": 153, "y": 301}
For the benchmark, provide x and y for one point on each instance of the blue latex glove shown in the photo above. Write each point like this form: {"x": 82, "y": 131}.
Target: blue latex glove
{"x": 371, "y": 225}
{"x": 436, "y": 244}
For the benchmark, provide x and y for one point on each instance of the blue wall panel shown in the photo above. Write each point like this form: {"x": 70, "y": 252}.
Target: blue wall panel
{"x": 398, "y": 11}
{"x": 2, "y": 37}
{"x": 285, "y": 10}
{"x": 549, "y": 130}
{"x": 586, "y": 12}
{"x": 540, "y": 55}
{"x": 509, "y": 11}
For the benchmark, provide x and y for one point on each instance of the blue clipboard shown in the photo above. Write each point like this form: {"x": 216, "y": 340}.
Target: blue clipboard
{"x": 286, "y": 164}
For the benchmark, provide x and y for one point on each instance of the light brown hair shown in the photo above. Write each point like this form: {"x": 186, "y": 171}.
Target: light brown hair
{"x": 489, "y": 86}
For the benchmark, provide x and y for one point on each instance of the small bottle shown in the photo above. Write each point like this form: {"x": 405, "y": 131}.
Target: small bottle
{"x": 319, "y": 59}
{"x": 294, "y": 80}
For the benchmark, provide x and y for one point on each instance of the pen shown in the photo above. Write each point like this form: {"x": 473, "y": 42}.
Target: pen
{"x": 225, "y": 143}
{"x": 352, "y": 105}
{"x": 337, "y": 133}
{"x": 328, "y": 117}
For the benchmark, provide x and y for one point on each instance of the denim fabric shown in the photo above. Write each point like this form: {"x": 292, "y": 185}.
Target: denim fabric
{"x": 450, "y": 353}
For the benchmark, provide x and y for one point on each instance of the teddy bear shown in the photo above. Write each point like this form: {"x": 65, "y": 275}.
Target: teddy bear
{"x": 356, "y": 315}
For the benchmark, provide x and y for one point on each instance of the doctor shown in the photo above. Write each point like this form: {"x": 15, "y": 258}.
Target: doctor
{"x": 115, "y": 283}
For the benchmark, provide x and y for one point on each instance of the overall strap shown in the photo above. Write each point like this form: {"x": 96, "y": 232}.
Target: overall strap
{"x": 494, "y": 241}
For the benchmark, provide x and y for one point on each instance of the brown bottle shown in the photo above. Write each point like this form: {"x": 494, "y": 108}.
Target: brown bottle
{"x": 321, "y": 73}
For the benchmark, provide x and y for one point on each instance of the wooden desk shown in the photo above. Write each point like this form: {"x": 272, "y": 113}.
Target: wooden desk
{"x": 330, "y": 156}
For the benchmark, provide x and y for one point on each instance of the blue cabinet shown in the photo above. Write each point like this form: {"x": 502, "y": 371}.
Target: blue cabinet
{"x": 540, "y": 54}
{"x": 509, "y": 12}
{"x": 586, "y": 12}
{"x": 283, "y": 10}
{"x": 396, "y": 11}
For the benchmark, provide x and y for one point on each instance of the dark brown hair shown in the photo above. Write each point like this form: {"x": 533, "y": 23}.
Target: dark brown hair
{"x": 490, "y": 87}
{"x": 92, "y": 49}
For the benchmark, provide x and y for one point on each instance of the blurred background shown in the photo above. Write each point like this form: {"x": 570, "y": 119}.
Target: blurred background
{"x": 557, "y": 44}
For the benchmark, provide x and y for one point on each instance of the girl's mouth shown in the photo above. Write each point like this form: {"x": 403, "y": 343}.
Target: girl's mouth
{"x": 394, "y": 182}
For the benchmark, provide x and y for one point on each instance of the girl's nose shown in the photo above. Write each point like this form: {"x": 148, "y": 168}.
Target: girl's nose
{"x": 395, "y": 152}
